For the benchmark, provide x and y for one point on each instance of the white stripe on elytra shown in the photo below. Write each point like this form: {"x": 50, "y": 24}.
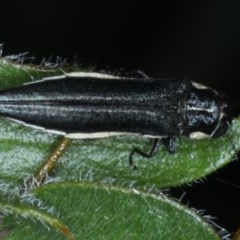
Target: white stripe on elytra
{"x": 77, "y": 75}
{"x": 79, "y": 135}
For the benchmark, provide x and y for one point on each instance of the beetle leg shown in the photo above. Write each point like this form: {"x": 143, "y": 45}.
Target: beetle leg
{"x": 155, "y": 147}
{"x": 170, "y": 144}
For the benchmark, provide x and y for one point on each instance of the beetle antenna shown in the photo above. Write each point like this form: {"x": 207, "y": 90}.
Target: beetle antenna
{"x": 226, "y": 182}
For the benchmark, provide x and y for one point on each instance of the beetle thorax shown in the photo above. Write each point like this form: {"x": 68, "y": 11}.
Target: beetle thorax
{"x": 202, "y": 113}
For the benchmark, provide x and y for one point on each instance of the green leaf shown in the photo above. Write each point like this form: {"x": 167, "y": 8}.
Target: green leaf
{"x": 92, "y": 167}
{"x": 24, "y": 214}
{"x": 98, "y": 212}
{"x": 22, "y": 150}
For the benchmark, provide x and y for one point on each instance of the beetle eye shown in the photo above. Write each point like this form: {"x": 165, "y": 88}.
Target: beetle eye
{"x": 227, "y": 113}
{"x": 221, "y": 130}
{"x": 225, "y": 118}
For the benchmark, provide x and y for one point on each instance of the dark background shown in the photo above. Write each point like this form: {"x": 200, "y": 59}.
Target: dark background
{"x": 195, "y": 39}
